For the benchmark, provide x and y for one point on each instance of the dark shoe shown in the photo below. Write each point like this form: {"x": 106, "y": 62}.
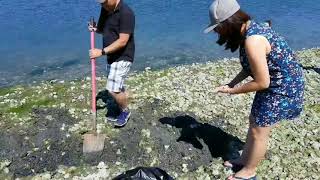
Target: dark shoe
{"x": 123, "y": 118}
{"x": 112, "y": 114}
{"x": 111, "y": 119}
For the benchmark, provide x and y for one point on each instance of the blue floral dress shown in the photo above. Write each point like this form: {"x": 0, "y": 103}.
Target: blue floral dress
{"x": 284, "y": 97}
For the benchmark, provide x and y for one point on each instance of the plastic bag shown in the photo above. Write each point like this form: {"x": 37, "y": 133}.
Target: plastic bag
{"x": 144, "y": 173}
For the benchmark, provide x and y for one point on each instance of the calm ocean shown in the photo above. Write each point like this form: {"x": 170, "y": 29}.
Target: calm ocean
{"x": 49, "y": 39}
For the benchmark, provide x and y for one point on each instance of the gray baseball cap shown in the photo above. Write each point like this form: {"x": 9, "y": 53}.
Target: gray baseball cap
{"x": 219, "y": 11}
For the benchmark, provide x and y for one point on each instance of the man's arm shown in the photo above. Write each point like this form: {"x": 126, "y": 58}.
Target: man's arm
{"x": 127, "y": 24}
{"x": 118, "y": 44}
{"x": 115, "y": 46}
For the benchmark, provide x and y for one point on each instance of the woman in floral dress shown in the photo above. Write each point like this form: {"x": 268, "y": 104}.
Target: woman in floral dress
{"x": 277, "y": 78}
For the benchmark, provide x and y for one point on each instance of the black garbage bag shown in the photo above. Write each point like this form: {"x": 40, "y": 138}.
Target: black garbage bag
{"x": 144, "y": 173}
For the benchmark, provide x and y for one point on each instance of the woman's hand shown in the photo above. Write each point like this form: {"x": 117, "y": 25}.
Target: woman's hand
{"x": 95, "y": 53}
{"x": 225, "y": 89}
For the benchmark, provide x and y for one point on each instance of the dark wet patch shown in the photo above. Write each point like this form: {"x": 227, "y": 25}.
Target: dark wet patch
{"x": 175, "y": 139}
{"x": 42, "y": 146}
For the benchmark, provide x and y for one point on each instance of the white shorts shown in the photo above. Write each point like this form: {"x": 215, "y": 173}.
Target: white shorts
{"x": 117, "y": 73}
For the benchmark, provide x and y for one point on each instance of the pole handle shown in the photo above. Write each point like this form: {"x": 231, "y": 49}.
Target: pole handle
{"x": 93, "y": 79}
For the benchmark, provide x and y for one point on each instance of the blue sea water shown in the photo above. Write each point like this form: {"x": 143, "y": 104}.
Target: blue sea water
{"x": 49, "y": 39}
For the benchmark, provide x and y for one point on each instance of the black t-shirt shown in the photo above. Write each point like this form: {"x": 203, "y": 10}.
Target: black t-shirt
{"x": 111, "y": 24}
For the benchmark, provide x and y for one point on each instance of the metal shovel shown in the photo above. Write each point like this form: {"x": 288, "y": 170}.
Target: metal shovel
{"x": 93, "y": 142}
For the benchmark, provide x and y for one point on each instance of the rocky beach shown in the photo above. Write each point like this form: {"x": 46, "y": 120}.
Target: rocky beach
{"x": 178, "y": 123}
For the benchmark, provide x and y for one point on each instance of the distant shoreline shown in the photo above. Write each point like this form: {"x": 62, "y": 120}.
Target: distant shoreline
{"x": 81, "y": 71}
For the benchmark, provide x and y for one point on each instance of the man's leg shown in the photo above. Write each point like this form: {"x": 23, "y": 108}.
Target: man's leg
{"x": 115, "y": 86}
{"x": 121, "y": 99}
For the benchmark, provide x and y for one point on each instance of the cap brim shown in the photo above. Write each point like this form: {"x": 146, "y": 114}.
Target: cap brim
{"x": 210, "y": 28}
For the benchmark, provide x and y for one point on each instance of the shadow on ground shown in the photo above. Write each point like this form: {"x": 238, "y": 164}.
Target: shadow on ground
{"x": 316, "y": 69}
{"x": 220, "y": 143}
{"x": 110, "y": 106}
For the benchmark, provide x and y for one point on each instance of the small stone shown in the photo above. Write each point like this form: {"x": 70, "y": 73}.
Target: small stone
{"x": 187, "y": 158}
{"x": 166, "y": 147}
{"x": 118, "y": 152}
{"x": 98, "y": 78}
{"x": 72, "y": 111}
{"x": 81, "y": 97}
{"x": 118, "y": 163}
{"x": 185, "y": 168}
{"x": 6, "y": 170}
{"x": 145, "y": 133}
{"x": 316, "y": 145}
{"x": 149, "y": 150}
{"x": 49, "y": 117}
{"x": 84, "y": 86}
{"x": 66, "y": 176}
{"x": 215, "y": 172}
{"x": 47, "y": 176}
{"x": 101, "y": 165}
{"x": 63, "y": 127}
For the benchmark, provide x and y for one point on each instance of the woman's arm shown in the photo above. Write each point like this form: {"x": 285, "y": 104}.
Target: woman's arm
{"x": 242, "y": 75}
{"x": 256, "y": 49}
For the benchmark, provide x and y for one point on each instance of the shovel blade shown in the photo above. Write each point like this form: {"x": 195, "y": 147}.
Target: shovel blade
{"x": 93, "y": 143}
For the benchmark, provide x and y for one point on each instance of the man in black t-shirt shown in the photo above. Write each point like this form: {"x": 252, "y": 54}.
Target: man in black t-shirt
{"x": 116, "y": 24}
